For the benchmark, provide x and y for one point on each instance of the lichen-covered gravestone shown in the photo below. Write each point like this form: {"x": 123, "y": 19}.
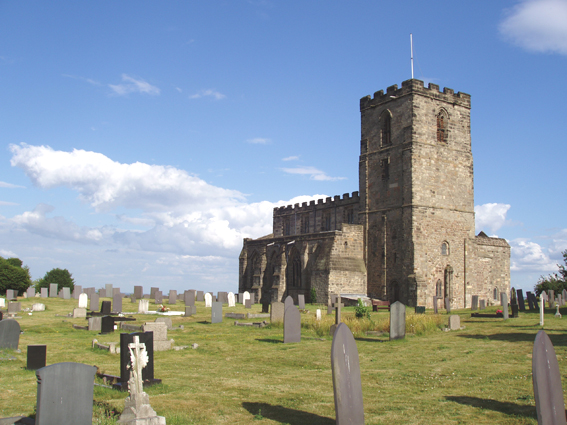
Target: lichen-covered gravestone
{"x": 397, "y": 321}
{"x": 548, "y": 392}
{"x": 347, "y": 385}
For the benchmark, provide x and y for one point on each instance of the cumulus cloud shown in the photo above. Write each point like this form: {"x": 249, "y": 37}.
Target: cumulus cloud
{"x": 7, "y": 253}
{"x": 133, "y": 85}
{"x": 527, "y": 255}
{"x": 259, "y": 141}
{"x": 490, "y": 216}
{"x": 208, "y": 93}
{"x": 312, "y": 172}
{"x": 537, "y": 25}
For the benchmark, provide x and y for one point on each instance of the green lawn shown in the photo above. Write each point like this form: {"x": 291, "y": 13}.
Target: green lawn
{"x": 242, "y": 375}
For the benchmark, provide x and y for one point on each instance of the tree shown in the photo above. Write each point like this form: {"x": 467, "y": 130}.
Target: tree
{"x": 555, "y": 281}
{"x": 13, "y": 275}
{"x": 62, "y": 277}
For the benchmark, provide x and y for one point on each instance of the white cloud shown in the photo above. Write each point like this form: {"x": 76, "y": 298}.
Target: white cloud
{"x": 133, "y": 85}
{"x": 537, "y": 25}
{"x": 290, "y": 158}
{"x": 491, "y": 216}
{"x": 6, "y": 203}
{"x": 259, "y": 141}
{"x": 10, "y": 185}
{"x": 209, "y": 92}
{"x": 7, "y": 253}
{"x": 313, "y": 173}
{"x": 527, "y": 255}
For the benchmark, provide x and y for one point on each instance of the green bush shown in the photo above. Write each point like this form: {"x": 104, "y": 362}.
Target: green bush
{"x": 61, "y": 277}
{"x": 313, "y": 296}
{"x": 13, "y": 276}
{"x": 360, "y": 311}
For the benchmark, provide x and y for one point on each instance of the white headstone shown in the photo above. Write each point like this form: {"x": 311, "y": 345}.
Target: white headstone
{"x": 208, "y": 300}
{"x": 2, "y": 302}
{"x": 231, "y": 300}
{"x": 83, "y": 300}
{"x": 245, "y": 296}
{"x": 318, "y": 314}
{"x": 38, "y": 307}
{"x": 143, "y": 306}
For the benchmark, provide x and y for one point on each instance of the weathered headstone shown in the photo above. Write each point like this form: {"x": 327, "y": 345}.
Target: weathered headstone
{"x": 454, "y": 322}
{"x": 292, "y": 324}
{"x": 397, "y": 321}
{"x": 548, "y": 391}
{"x": 564, "y": 296}
{"x": 65, "y": 394}
{"x": 79, "y": 313}
{"x": 139, "y": 292}
{"x": 448, "y": 305}
{"x": 44, "y": 292}
{"x": 216, "y": 312}
{"x": 347, "y": 385}
{"x": 83, "y": 300}
{"x": 9, "y": 334}
{"x": 521, "y": 303}
{"x": 143, "y": 306}
{"x": 482, "y": 304}
{"x": 94, "y": 302}
{"x": 504, "y": 302}
{"x": 36, "y": 357}
{"x": 301, "y": 301}
{"x": 30, "y": 292}
{"x": 158, "y": 297}
{"x": 200, "y": 296}
{"x": 231, "y": 300}
{"x": 95, "y": 323}
{"x": 106, "y": 324}
{"x": 53, "y": 290}
{"x": 172, "y": 296}
{"x": 60, "y": 295}
{"x": 474, "y": 302}
{"x": 208, "y": 300}
{"x": 277, "y": 312}
{"x": 117, "y": 303}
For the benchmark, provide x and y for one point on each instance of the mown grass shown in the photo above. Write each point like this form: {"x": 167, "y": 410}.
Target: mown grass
{"x": 242, "y": 375}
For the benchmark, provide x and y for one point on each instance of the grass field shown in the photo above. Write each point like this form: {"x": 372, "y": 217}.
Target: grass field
{"x": 240, "y": 375}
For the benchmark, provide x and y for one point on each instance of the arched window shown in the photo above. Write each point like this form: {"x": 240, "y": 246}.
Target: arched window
{"x": 439, "y": 288}
{"x": 294, "y": 270}
{"x": 386, "y": 128}
{"x": 448, "y": 278}
{"x": 495, "y": 294}
{"x": 442, "y": 123}
{"x": 444, "y": 248}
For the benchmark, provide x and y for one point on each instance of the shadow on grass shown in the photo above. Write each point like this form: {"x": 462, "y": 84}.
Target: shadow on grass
{"x": 556, "y": 340}
{"x": 285, "y": 415}
{"x": 498, "y": 406}
{"x": 371, "y": 339}
{"x": 273, "y": 341}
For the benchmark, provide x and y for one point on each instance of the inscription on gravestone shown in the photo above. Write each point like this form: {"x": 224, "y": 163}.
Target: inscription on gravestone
{"x": 146, "y": 338}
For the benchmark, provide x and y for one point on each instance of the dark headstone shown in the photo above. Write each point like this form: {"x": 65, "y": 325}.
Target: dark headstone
{"x": 301, "y": 301}
{"x": 521, "y": 303}
{"x": 94, "y": 302}
{"x": 504, "y": 302}
{"x": 474, "y": 302}
{"x": 216, "y": 312}
{"x": 37, "y": 357}
{"x": 53, "y": 290}
{"x": 158, "y": 297}
{"x": 531, "y": 304}
{"x": 106, "y": 307}
{"x": 435, "y": 305}
{"x": 223, "y": 297}
{"x": 546, "y": 378}
{"x": 117, "y": 303}
{"x": 397, "y": 321}
{"x": 148, "y": 372}
{"x": 189, "y": 297}
{"x": 65, "y": 394}
{"x": 448, "y": 305}
{"x": 190, "y": 310}
{"x": 106, "y": 324}
{"x": 172, "y": 296}
{"x": 265, "y": 308}
{"x": 1, "y": 316}
{"x": 138, "y": 292}
{"x": 9, "y": 334}
{"x": 419, "y": 309}
{"x": 200, "y": 296}
{"x": 292, "y": 324}
{"x": 347, "y": 385}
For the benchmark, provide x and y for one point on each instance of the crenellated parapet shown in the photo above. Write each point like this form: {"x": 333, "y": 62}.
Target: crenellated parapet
{"x": 416, "y": 87}
{"x": 320, "y": 204}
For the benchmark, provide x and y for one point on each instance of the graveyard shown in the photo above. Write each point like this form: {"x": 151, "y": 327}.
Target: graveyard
{"x": 222, "y": 373}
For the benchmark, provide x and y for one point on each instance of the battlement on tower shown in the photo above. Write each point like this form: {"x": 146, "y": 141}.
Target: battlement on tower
{"x": 415, "y": 87}
{"x": 321, "y": 204}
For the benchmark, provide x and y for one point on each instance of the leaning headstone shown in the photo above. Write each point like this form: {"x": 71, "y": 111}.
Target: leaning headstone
{"x": 44, "y": 292}
{"x": 347, "y": 384}
{"x": 9, "y": 334}
{"x": 37, "y": 357}
{"x": 65, "y": 394}
{"x": 94, "y": 302}
{"x": 30, "y": 292}
{"x": 277, "y": 312}
{"x": 208, "y": 300}
{"x": 172, "y": 296}
{"x": 200, "y": 296}
{"x": 216, "y": 312}
{"x": 106, "y": 324}
{"x": 474, "y": 302}
{"x": 95, "y": 323}
{"x": 231, "y": 300}
{"x": 454, "y": 322}
{"x": 546, "y": 377}
{"x": 292, "y": 325}
{"x": 448, "y": 305}
{"x": 139, "y": 292}
{"x": 482, "y": 304}
{"x": 79, "y": 313}
{"x": 521, "y": 303}
{"x": 301, "y": 301}
{"x": 397, "y": 321}
{"x": 530, "y": 301}
{"x": 504, "y": 302}
{"x": 330, "y": 302}
{"x": 52, "y": 290}
{"x": 143, "y": 306}
{"x": 83, "y": 300}
{"x": 108, "y": 290}
{"x": 117, "y": 303}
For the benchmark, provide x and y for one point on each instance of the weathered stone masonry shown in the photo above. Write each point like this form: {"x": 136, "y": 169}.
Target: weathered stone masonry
{"x": 408, "y": 233}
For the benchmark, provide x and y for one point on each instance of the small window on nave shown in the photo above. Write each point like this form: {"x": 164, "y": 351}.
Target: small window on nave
{"x": 444, "y": 248}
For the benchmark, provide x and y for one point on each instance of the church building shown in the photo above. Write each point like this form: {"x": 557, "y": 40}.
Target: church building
{"x": 407, "y": 234}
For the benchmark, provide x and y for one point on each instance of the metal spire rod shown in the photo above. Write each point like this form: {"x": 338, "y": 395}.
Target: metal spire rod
{"x": 411, "y": 46}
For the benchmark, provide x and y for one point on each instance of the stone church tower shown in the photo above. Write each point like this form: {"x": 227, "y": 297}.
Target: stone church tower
{"x": 408, "y": 233}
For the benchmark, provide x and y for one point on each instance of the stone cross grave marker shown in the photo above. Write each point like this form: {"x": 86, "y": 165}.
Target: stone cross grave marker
{"x": 36, "y": 357}
{"x": 143, "y": 306}
{"x": 208, "y": 300}
{"x": 216, "y": 312}
{"x": 301, "y": 301}
{"x": 548, "y": 392}
{"x": 117, "y": 303}
{"x": 337, "y": 305}
{"x": 139, "y": 292}
{"x": 397, "y": 321}
{"x": 146, "y": 338}
{"x": 9, "y": 334}
{"x": 52, "y": 290}
{"x": 65, "y": 394}
{"x": 292, "y": 324}
{"x": 94, "y": 302}
{"x": 474, "y": 302}
{"x": 521, "y": 303}
{"x": 231, "y": 300}
{"x": 83, "y": 300}
{"x": 277, "y": 312}
{"x": 504, "y": 302}
{"x": 44, "y": 292}
{"x": 347, "y": 385}
{"x": 172, "y": 296}
{"x": 332, "y": 299}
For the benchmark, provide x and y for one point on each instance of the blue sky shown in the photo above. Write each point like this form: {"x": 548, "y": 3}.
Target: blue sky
{"x": 141, "y": 141}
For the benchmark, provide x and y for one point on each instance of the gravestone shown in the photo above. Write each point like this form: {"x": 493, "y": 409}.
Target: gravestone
{"x": 14, "y": 307}
{"x": 106, "y": 324}
{"x": 521, "y": 303}
{"x": 252, "y": 298}
{"x": 397, "y": 321}
{"x": 482, "y": 304}
{"x": 419, "y": 309}
{"x": 288, "y": 302}
{"x": 245, "y": 296}
{"x": 557, "y": 313}
{"x": 102, "y": 293}
{"x": 551, "y": 298}
{"x": 143, "y": 306}
{"x": 65, "y": 394}
{"x": 83, "y": 300}
{"x": 11, "y": 294}
{"x": 106, "y": 308}
{"x": 172, "y": 296}
{"x": 454, "y": 322}
{"x": 30, "y": 292}
{"x": 61, "y": 293}
{"x": 95, "y": 323}
{"x": 44, "y": 292}
{"x": 216, "y": 312}
{"x": 530, "y": 301}
{"x": 77, "y": 290}
{"x": 301, "y": 301}
{"x": 504, "y": 302}
{"x": 564, "y": 296}
{"x": 132, "y": 298}
{"x": 474, "y": 302}
{"x": 116, "y": 291}
{"x": 222, "y": 297}
{"x": 200, "y": 296}
{"x": 165, "y": 320}
{"x": 231, "y": 300}
{"x": 53, "y": 290}
{"x": 2, "y": 302}
{"x": 337, "y": 305}
{"x": 36, "y": 357}
{"x": 318, "y": 314}
{"x": 117, "y": 303}
{"x": 79, "y": 313}
{"x": 277, "y": 312}
{"x": 9, "y": 334}
{"x": 190, "y": 310}
{"x": 189, "y": 297}
{"x": 146, "y": 338}
{"x": 435, "y": 306}
{"x": 208, "y": 300}
{"x": 247, "y": 303}
{"x": 139, "y": 292}
{"x": 542, "y": 300}
{"x": 347, "y": 385}
{"x": 94, "y": 302}
{"x": 158, "y": 297}
{"x": 38, "y": 307}
{"x": 153, "y": 291}
{"x": 159, "y": 330}
{"x": 1, "y": 316}
{"x": 108, "y": 289}
{"x": 292, "y": 324}
{"x": 448, "y": 305}
{"x": 546, "y": 378}
{"x": 66, "y": 293}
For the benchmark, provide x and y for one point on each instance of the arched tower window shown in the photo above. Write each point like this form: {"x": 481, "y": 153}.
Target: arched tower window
{"x": 444, "y": 248}
{"x": 439, "y": 288}
{"x": 386, "y": 128}
{"x": 294, "y": 270}
{"x": 442, "y": 124}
